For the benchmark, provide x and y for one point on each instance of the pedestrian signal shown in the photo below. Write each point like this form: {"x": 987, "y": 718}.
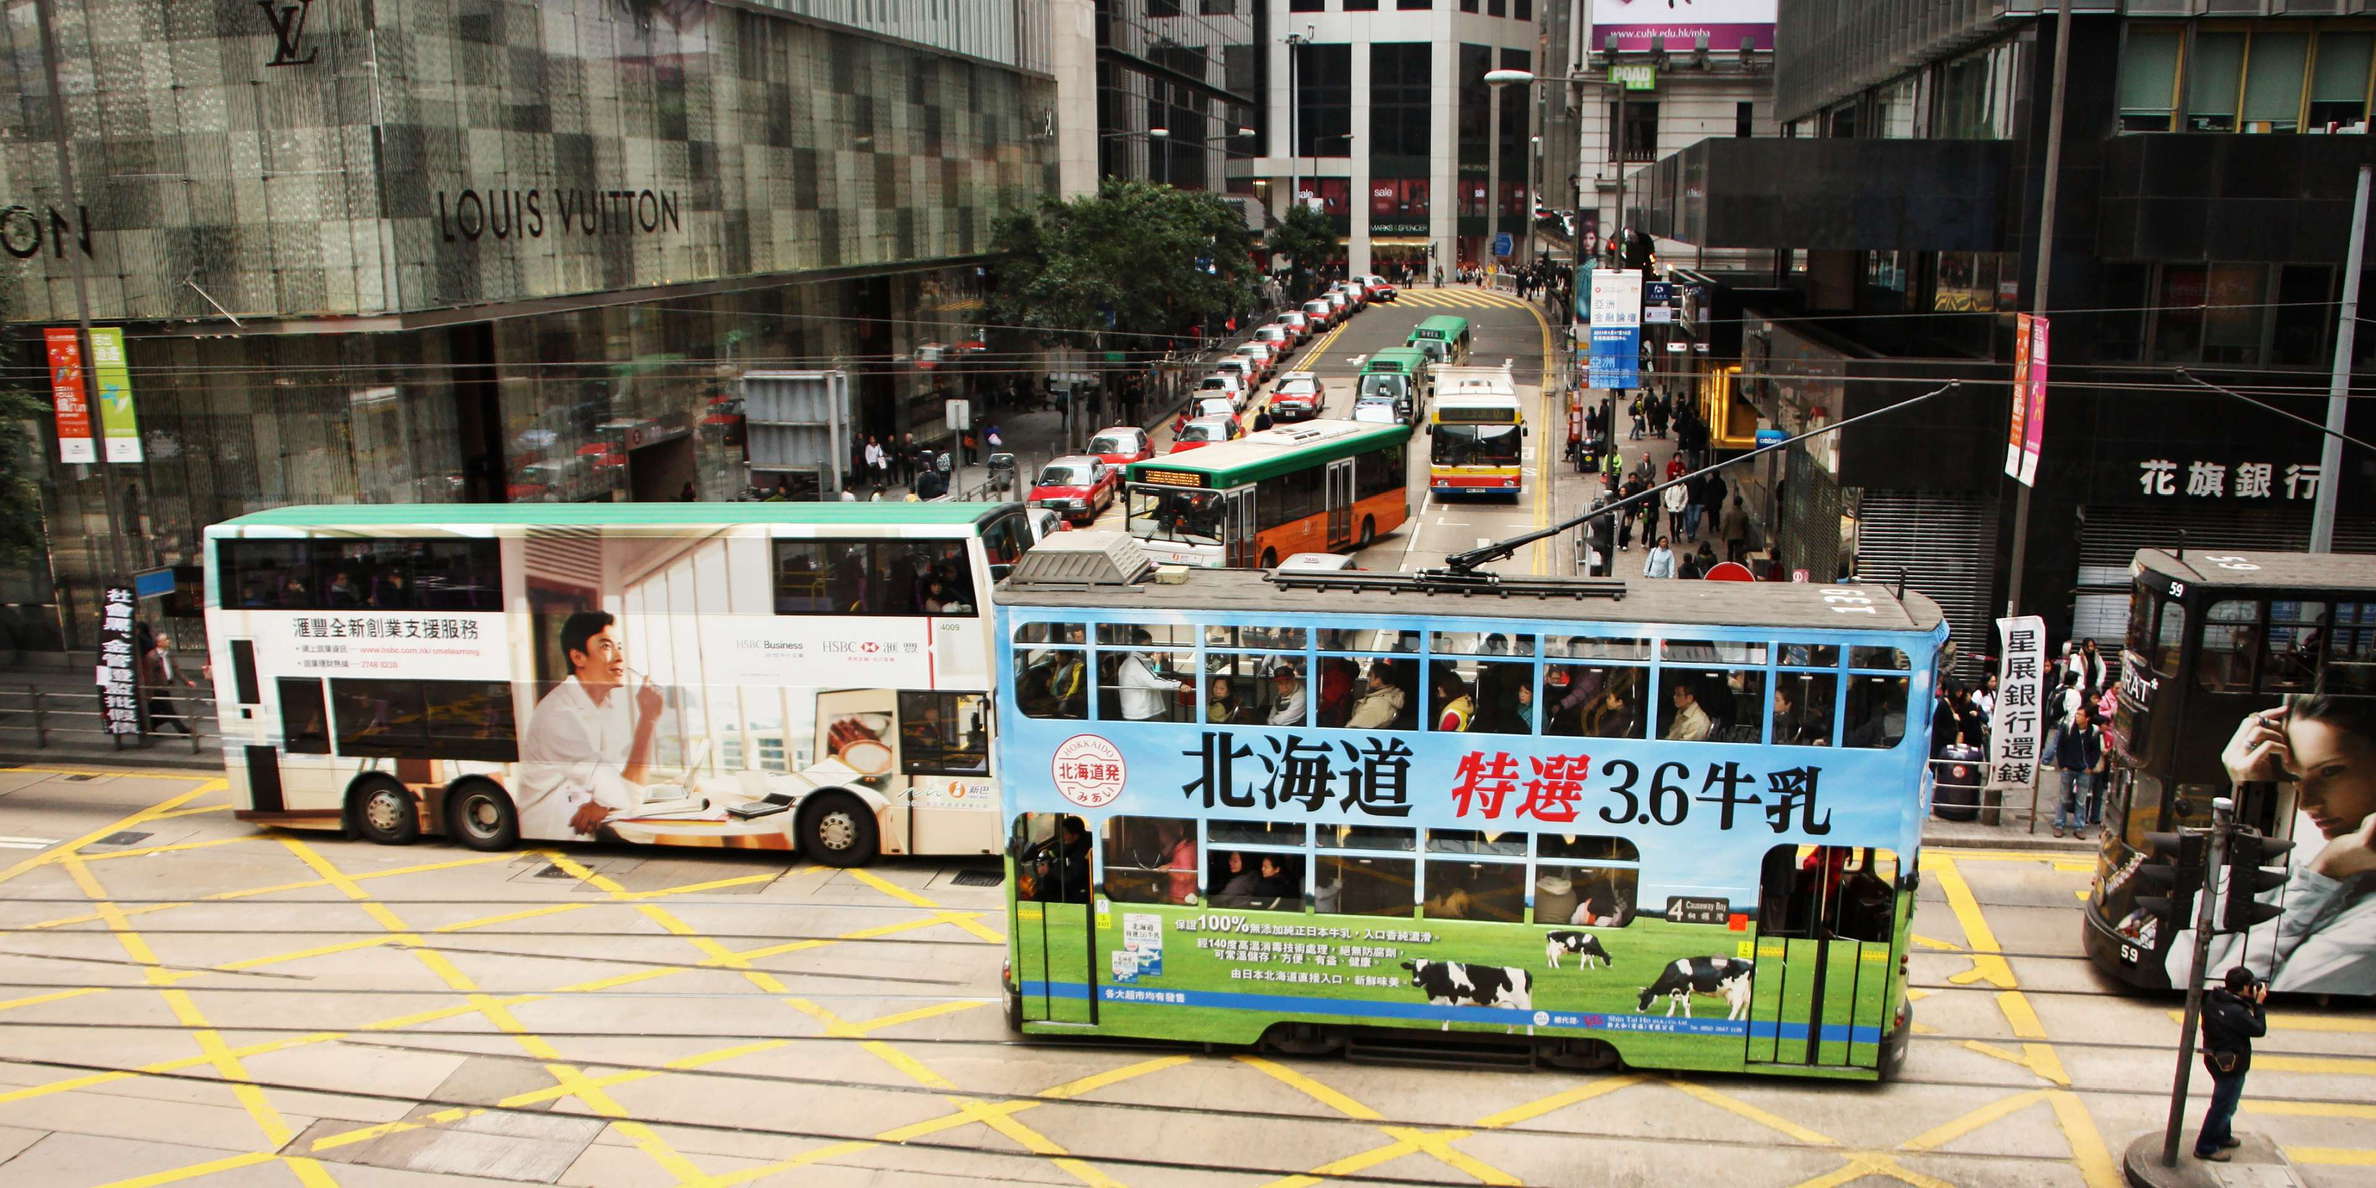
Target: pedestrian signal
{"x": 2247, "y": 855}
{"x": 2167, "y": 882}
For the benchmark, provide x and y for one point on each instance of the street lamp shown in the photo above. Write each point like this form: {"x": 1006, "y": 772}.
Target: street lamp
{"x": 1504, "y": 78}
{"x": 1152, "y": 135}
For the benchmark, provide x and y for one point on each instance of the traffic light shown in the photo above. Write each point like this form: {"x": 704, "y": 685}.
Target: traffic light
{"x": 2248, "y": 854}
{"x": 2167, "y": 882}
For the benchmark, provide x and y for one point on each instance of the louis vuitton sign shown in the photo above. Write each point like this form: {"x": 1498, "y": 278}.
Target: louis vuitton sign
{"x": 468, "y": 216}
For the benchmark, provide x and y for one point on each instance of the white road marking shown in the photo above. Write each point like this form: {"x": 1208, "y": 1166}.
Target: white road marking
{"x": 27, "y": 843}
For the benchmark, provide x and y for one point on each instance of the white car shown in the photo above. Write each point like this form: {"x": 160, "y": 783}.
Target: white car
{"x": 1260, "y": 354}
{"x": 1353, "y": 292}
{"x": 1299, "y": 324}
{"x": 1239, "y": 366}
{"x": 1342, "y": 304}
{"x": 1232, "y": 386}
{"x": 1280, "y": 338}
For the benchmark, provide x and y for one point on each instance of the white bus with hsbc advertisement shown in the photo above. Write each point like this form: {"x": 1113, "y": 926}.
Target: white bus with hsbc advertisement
{"x": 753, "y": 675}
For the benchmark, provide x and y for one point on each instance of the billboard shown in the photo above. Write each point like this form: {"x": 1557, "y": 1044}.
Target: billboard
{"x": 1644, "y": 24}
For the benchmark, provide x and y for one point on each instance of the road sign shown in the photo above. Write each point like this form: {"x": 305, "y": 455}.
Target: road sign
{"x": 1730, "y": 571}
{"x": 1616, "y": 329}
{"x": 1634, "y": 76}
{"x": 958, "y": 412}
{"x": 1503, "y": 245}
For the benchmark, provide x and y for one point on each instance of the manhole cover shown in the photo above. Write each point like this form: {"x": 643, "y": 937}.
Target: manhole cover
{"x": 553, "y": 872}
{"x": 125, "y": 838}
{"x": 979, "y": 878}
{"x": 79, "y": 779}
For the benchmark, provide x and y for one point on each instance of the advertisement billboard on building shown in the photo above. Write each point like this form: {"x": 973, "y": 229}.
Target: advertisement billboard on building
{"x": 1646, "y": 24}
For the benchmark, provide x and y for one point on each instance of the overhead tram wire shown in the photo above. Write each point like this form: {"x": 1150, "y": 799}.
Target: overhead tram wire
{"x": 1462, "y": 564}
{"x": 2267, "y": 407}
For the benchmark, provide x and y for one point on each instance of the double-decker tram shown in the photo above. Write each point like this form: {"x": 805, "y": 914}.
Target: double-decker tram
{"x": 755, "y": 675}
{"x": 1669, "y": 823}
{"x": 2229, "y": 654}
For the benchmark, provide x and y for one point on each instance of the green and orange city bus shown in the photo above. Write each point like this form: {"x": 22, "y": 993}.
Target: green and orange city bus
{"x": 1319, "y": 486}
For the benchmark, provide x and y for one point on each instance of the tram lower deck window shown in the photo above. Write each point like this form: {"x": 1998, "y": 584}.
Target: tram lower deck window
{"x": 1360, "y": 886}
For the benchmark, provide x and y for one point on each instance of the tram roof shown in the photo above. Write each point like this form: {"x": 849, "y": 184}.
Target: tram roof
{"x": 1791, "y": 605}
{"x": 430, "y": 515}
{"x": 2271, "y": 571}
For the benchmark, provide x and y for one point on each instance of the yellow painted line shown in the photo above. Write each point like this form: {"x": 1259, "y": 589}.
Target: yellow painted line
{"x": 2039, "y": 1054}
{"x": 2310, "y": 1109}
{"x": 2286, "y": 1021}
{"x": 130, "y": 773}
{"x": 1979, "y": 938}
{"x": 1313, "y": 1089}
{"x": 904, "y": 895}
{"x": 2074, "y": 867}
{"x": 2096, "y": 1162}
{"x": 922, "y": 1012}
{"x": 1770, "y": 1121}
{"x": 191, "y": 811}
{"x": 1439, "y": 1144}
{"x": 2045, "y": 856}
{"x": 1988, "y": 1049}
{"x": 1995, "y": 1111}
{"x": 53, "y": 996}
{"x": 2333, "y": 1156}
{"x": 1557, "y": 1101}
{"x": 55, "y": 853}
{"x": 1929, "y": 943}
{"x": 2345, "y": 1066}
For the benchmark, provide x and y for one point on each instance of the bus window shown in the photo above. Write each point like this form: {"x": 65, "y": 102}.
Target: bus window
{"x": 1569, "y": 690}
{"x": 305, "y": 719}
{"x": 1803, "y": 709}
{"x": 1259, "y": 879}
{"x": 2170, "y": 637}
{"x": 1387, "y": 696}
{"x": 1357, "y": 886}
{"x": 1588, "y": 647}
{"x": 1137, "y": 679}
{"x": 2297, "y": 638}
{"x": 1185, "y": 517}
{"x": 1004, "y": 540}
{"x": 1828, "y": 892}
{"x": 1051, "y": 858}
{"x": 1731, "y": 700}
{"x": 1876, "y": 716}
{"x": 2231, "y": 635}
{"x": 1367, "y": 837}
{"x": 1712, "y": 651}
{"x": 1051, "y": 680}
{"x": 944, "y": 734}
{"x": 1151, "y": 860}
{"x": 2351, "y": 653}
{"x": 1475, "y": 841}
{"x": 1252, "y": 689}
{"x": 1485, "y": 643}
{"x": 1798, "y": 655}
{"x": 800, "y": 587}
{"x": 395, "y": 719}
{"x": 1451, "y": 698}
{"x": 1892, "y": 659}
{"x": 1587, "y": 896}
{"x": 1277, "y": 639}
{"x": 921, "y": 577}
{"x": 1617, "y": 711}
{"x": 1505, "y": 697}
{"x": 1475, "y": 891}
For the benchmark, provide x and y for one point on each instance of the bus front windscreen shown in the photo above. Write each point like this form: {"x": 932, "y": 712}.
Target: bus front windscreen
{"x": 1476, "y": 445}
{"x": 1383, "y": 383}
{"x": 1185, "y": 517}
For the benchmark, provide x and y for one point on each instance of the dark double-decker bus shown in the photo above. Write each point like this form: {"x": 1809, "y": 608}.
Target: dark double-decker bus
{"x": 2217, "y": 641}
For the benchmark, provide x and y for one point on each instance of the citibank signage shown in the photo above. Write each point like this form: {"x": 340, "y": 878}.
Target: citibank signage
{"x": 468, "y": 216}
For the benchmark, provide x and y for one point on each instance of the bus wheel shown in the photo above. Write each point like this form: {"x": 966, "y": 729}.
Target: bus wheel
{"x": 383, "y": 810}
{"x": 1369, "y": 532}
{"x": 1270, "y": 558}
{"x": 481, "y": 817}
{"x": 1585, "y": 1055}
{"x": 1300, "y": 1039}
{"x": 837, "y": 829}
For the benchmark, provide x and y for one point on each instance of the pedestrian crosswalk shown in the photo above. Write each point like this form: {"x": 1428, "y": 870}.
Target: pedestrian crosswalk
{"x": 1460, "y": 295}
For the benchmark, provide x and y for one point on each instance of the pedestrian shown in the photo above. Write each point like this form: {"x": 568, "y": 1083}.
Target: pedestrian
{"x": 688, "y": 494}
{"x": 1717, "y": 489}
{"x": 1735, "y": 530}
{"x": 1674, "y": 467}
{"x": 2232, "y": 1018}
{"x": 849, "y": 493}
{"x": 996, "y": 439}
{"x": 1659, "y": 562}
{"x": 878, "y": 467}
{"x": 906, "y": 459}
{"x": 1639, "y": 421}
{"x": 1675, "y": 498}
{"x": 2077, "y": 751}
{"x": 1262, "y": 418}
{"x": 877, "y": 495}
{"x": 158, "y": 670}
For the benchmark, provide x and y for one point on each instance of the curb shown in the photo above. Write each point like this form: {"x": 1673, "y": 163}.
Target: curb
{"x": 209, "y": 758}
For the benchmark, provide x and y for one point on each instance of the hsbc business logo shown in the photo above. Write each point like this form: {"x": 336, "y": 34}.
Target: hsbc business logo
{"x": 288, "y": 32}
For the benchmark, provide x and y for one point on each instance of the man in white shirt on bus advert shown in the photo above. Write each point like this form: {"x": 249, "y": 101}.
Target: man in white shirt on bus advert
{"x": 587, "y": 749}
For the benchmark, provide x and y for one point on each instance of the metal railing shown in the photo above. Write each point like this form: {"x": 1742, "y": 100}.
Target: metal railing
{"x": 55, "y": 716}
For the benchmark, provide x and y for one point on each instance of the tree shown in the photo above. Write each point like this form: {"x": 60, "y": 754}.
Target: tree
{"x": 1308, "y": 237}
{"x": 1135, "y": 260}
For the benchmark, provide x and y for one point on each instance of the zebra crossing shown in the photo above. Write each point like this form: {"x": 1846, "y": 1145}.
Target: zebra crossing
{"x": 1459, "y": 296}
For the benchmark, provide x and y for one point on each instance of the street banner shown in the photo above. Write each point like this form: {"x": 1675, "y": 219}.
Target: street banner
{"x": 2014, "y": 736}
{"x": 67, "y": 395}
{"x": 1616, "y": 328}
{"x": 118, "y": 674}
{"x": 116, "y": 415}
{"x": 2025, "y": 437}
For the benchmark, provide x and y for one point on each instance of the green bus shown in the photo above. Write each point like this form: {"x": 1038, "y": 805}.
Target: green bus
{"x": 1444, "y": 337}
{"x": 1313, "y": 487}
{"x": 1394, "y": 386}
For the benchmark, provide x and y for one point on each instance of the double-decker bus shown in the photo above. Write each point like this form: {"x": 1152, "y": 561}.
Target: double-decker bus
{"x": 758, "y": 675}
{"x": 1670, "y": 823}
{"x": 1444, "y": 337}
{"x": 1311, "y": 487}
{"x": 1476, "y": 433}
{"x": 2220, "y": 642}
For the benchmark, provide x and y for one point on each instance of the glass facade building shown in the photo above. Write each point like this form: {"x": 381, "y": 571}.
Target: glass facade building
{"x": 496, "y": 251}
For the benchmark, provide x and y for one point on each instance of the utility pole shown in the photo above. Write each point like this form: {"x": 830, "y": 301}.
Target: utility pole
{"x": 2054, "y": 139}
{"x": 2223, "y": 823}
{"x": 1295, "y": 41}
{"x": 2330, "y": 454}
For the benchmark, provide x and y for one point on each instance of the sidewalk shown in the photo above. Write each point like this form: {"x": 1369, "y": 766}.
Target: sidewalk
{"x": 70, "y": 720}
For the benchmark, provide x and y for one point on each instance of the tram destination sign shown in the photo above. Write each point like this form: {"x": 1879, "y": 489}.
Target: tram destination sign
{"x": 1693, "y": 909}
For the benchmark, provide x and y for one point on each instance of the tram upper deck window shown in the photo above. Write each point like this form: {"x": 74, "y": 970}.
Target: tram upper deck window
{"x": 2231, "y": 643}
{"x": 2351, "y": 654}
{"x": 1876, "y": 711}
{"x": 1051, "y": 670}
{"x": 2169, "y": 639}
{"x": 1144, "y": 671}
{"x": 1597, "y": 647}
{"x": 1803, "y": 708}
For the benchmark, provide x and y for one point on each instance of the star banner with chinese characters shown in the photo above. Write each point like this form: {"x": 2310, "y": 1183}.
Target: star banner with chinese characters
{"x": 2014, "y": 737}
{"x": 2026, "y": 437}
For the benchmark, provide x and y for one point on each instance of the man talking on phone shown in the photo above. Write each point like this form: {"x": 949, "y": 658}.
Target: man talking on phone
{"x": 2231, "y": 1018}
